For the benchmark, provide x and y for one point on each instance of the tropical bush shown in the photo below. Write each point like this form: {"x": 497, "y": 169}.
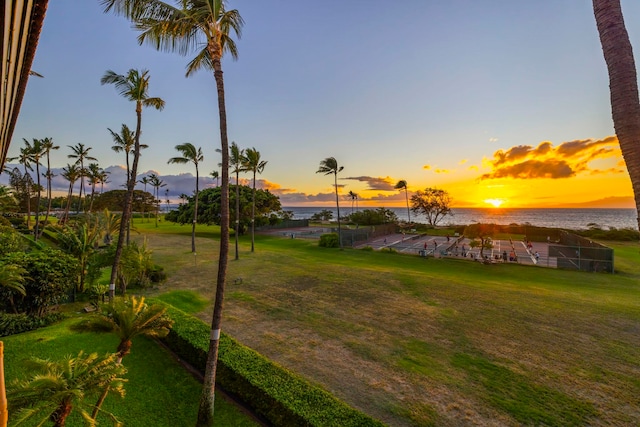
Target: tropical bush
{"x": 11, "y": 324}
{"x": 10, "y": 240}
{"x": 373, "y": 217}
{"x": 52, "y": 277}
{"x": 272, "y": 392}
{"x": 329, "y": 241}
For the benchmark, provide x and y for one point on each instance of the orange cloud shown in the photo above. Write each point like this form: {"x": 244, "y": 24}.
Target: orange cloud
{"x": 441, "y": 171}
{"x": 427, "y": 167}
{"x": 546, "y": 161}
{"x": 374, "y": 183}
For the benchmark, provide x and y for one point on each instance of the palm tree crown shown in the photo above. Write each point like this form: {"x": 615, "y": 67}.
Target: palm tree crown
{"x": 402, "y": 184}
{"x": 251, "y": 163}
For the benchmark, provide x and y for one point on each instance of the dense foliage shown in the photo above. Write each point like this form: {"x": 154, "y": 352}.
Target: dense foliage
{"x": 373, "y": 217}
{"x": 114, "y": 201}
{"x": 52, "y": 276}
{"x": 329, "y": 241}
{"x": 209, "y": 207}
{"x": 273, "y": 392}
{"x": 11, "y": 324}
{"x": 433, "y": 203}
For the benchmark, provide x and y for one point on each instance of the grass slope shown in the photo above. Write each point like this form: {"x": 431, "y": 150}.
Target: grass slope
{"x": 430, "y": 342}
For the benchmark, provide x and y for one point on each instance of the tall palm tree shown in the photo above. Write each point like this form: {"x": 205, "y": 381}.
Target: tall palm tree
{"x": 157, "y": 184}
{"x": 127, "y": 319}
{"x": 623, "y": 85}
{"x": 55, "y": 387}
{"x": 80, "y": 153}
{"x": 47, "y": 146}
{"x": 215, "y": 175}
{"x": 330, "y": 166}
{"x": 353, "y": 196}
{"x": 145, "y": 180}
{"x": 24, "y": 158}
{"x": 134, "y": 86}
{"x": 94, "y": 174}
{"x": 235, "y": 162}
{"x": 207, "y": 24}
{"x": 104, "y": 179}
{"x": 35, "y": 152}
{"x": 71, "y": 173}
{"x": 402, "y": 184}
{"x": 193, "y": 155}
{"x": 251, "y": 163}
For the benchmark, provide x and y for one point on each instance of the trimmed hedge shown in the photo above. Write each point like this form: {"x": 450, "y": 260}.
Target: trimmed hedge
{"x": 272, "y": 392}
{"x": 11, "y": 324}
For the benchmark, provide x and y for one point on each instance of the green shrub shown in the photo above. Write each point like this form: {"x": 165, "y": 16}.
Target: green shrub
{"x": 367, "y": 248}
{"x": 10, "y": 240}
{"x": 278, "y": 395}
{"x": 389, "y": 250}
{"x": 52, "y": 276}
{"x": 11, "y": 324}
{"x": 329, "y": 241}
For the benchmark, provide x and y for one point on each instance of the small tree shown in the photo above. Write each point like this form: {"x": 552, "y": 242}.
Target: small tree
{"x": 433, "y": 203}
{"x": 323, "y": 215}
{"x": 481, "y": 236}
{"x": 56, "y": 387}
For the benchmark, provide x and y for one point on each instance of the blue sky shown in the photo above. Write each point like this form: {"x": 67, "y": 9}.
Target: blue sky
{"x": 421, "y": 90}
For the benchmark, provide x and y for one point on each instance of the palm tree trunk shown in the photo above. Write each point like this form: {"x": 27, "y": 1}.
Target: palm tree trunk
{"x": 126, "y": 212}
{"x": 205, "y": 410}
{"x": 36, "y": 233}
{"x": 68, "y": 207}
{"x": 237, "y": 209}
{"x": 338, "y": 207}
{"x": 623, "y": 84}
{"x": 253, "y": 211}
{"x": 195, "y": 214}
{"x": 28, "y": 188}
{"x": 46, "y": 218}
{"x": 406, "y": 196}
{"x": 59, "y": 417}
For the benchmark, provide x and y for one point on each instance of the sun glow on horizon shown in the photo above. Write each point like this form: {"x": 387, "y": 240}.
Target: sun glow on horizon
{"x": 496, "y": 203}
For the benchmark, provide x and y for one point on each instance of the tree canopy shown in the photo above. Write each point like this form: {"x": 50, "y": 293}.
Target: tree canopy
{"x": 433, "y": 203}
{"x": 209, "y": 207}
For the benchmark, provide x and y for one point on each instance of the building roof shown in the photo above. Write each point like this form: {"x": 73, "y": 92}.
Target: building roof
{"x": 21, "y": 25}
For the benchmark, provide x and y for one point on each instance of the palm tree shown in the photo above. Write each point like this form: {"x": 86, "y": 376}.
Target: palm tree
{"x": 35, "y": 153}
{"x": 623, "y": 85}
{"x": 25, "y": 160}
{"x": 71, "y": 173}
{"x": 79, "y": 241}
{"x": 402, "y": 184}
{"x": 353, "y": 196}
{"x": 80, "y": 153}
{"x": 104, "y": 179}
{"x": 235, "y": 162}
{"x": 127, "y": 319}
{"x": 47, "y": 146}
{"x": 251, "y": 163}
{"x": 157, "y": 184}
{"x": 56, "y": 387}
{"x": 133, "y": 86}
{"x": 144, "y": 180}
{"x": 193, "y": 155}
{"x": 215, "y": 175}
{"x": 209, "y": 24}
{"x": 329, "y": 166}
{"x": 94, "y": 174}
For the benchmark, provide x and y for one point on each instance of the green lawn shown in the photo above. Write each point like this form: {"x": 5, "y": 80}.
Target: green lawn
{"x": 159, "y": 391}
{"x": 414, "y": 341}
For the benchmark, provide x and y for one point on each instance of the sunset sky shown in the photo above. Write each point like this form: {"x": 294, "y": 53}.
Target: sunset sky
{"x": 495, "y": 101}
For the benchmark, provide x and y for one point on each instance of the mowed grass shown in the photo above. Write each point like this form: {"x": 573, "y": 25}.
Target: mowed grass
{"x": 416, "y": 341}
{"x": 159, "y": 392}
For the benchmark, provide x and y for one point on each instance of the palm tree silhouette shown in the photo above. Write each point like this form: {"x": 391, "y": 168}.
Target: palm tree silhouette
{"x": 80, "y": 153}
{"x": 402, "y": 184}
{"x": 330, "y": 166}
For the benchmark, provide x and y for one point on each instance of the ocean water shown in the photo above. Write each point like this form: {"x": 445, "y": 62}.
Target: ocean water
{"x": 574, "y": 219}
